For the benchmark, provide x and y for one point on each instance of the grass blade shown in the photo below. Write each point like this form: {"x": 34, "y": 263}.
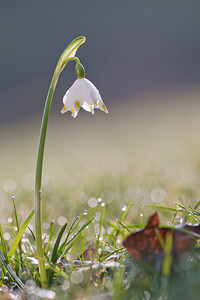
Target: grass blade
{"x": 68, "y": 244}
{"x": 121, "y": 219}
{"x": 50, "y": 236}
{"x": 11, "y": 273}
{"x": 19, "y": 235}
{"x": 54, "y": 256}
{"x": 3, "y": 244}
{"x": 18, "y": 226}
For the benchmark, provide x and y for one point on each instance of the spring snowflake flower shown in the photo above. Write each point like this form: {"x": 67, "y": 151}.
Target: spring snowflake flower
{"x": 82, "y": 94}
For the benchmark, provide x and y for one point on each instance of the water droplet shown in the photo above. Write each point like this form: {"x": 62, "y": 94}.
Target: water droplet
{"x": 99, "y": 251}
{"x": 85, "y": 212}
{"x": 102, "y": 204}
{"x": 10, "y": 220}
{"x": 124, "y": 208}
{"x": 118, "y": 241}
{"x": 99, "y": 200}
{"x": 141, "y": 218}
{"x": 13, "y": 196}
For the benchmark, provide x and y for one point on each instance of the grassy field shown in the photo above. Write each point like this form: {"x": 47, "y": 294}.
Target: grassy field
{"x": 146, "y": 150}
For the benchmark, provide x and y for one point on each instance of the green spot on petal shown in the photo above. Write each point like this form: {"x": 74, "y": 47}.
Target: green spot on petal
{"x": 77, "y": 104}
{"x": 63, "y": 109}
{"x": 73, "y": 111}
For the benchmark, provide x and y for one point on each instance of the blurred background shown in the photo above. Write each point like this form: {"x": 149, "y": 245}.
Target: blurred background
{"x": 144, "y": 59}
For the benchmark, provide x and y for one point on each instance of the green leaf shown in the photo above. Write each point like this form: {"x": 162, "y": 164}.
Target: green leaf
{"x": 76, "y": 235}
{"x": 55, "y": 254}
{"x": 11, "y": 273}
{"x": 3, "y": 244}
{"x": 56, "y": 249}
{"x": 50, "y": 235}
{"x": 70, "y": 51}
{"x": 19, "y": 235}
{"x": 18, "y": 226}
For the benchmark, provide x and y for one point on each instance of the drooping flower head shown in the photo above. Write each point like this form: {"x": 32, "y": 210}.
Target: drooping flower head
{"x": 83, "y": 94}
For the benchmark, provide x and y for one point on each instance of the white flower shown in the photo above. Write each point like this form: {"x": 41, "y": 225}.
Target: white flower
{"x": 82, "y": 94}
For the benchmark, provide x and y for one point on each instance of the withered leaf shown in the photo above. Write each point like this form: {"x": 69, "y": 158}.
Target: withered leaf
{"x": 145, "y": 244}
{"x": 87, "y": 255}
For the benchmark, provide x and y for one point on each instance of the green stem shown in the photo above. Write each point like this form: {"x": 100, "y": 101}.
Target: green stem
{"x": 38, "y": 190}
{"x": 67, "y": 55}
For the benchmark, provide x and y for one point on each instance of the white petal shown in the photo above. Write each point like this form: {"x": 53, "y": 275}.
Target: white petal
{"x": 86, "y": 106}
{"x": 102, "y": 106}
{"x": 74, "y": 112}
{"x": 85, "y": 94}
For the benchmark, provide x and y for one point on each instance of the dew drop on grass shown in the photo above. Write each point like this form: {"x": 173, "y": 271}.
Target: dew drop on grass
{"x": 10, "y": 220}
{"x": 119, "y": 241}
{"x": 85, "y": 212}
{"x": 99, "y": 200}
{"x": 102, "y": 204}
{"x": 141, "y": 218}
{"x": 124, "y": 208}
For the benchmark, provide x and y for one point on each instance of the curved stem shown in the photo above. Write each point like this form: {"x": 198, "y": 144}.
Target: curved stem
{"x": 38, "y": 191}
{"x": 67, "y": 55}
